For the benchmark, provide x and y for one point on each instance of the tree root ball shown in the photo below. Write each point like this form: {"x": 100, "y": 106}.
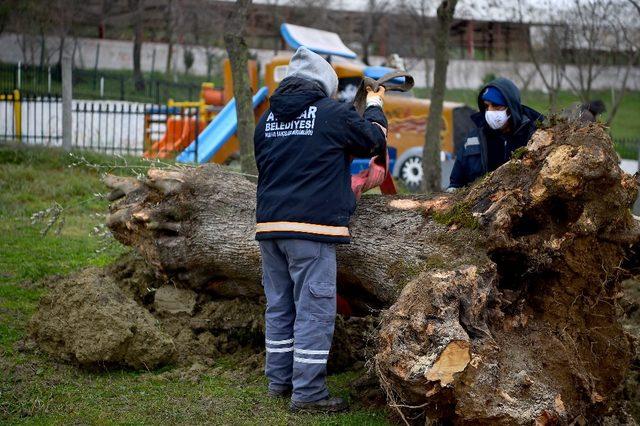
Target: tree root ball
{"x": 530, "y": 333}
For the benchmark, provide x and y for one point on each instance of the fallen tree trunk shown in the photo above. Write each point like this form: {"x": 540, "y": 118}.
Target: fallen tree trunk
{"x": 196, "y": 227}
{"x": 500, "y": 301}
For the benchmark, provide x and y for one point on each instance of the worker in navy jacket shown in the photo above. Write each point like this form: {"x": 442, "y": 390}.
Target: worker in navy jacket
{"x": 303, "y": 147}
{"x": 503, "y": 125}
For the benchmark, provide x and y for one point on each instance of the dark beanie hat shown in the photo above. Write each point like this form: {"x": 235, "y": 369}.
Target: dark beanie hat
{"x": 494, "y": 96}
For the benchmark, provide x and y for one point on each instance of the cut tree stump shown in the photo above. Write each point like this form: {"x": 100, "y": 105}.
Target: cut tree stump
{"x": 499, "y": 303}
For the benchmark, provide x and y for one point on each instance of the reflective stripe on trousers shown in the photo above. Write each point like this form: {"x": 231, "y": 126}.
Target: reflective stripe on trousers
{"x": 299, "y": 279}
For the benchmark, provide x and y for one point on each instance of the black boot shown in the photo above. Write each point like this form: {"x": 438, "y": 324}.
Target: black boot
{"x": 279, "y": 393}
{"x": 328, "y": 405}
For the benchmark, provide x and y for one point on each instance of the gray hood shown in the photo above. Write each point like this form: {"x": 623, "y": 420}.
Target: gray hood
{"x": 310, "y": 66}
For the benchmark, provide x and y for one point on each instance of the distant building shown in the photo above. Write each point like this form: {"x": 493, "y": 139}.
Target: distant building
{"x": 397, "y": 31}
{"x": 482, "y": 30}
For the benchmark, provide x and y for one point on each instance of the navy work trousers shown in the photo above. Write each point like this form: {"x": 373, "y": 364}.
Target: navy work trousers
{"x": 299, "y": 279}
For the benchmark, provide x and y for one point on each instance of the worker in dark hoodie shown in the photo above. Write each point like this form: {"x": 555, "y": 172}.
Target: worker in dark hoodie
{"x": 303, "y": 147}
{"x": 503, "y": 125}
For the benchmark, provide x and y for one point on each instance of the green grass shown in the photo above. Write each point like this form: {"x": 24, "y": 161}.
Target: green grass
{"x": 87, "y": 86}
{"x": 35, "y": 389}
{"x": 157, "y": 398}
{"x": 33, "y": 180}
{"x": 625, "y": 123}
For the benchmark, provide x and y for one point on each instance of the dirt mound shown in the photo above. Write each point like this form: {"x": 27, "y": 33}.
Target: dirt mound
{"x": 87, "y": 319}
{"x": 125, "y": 316}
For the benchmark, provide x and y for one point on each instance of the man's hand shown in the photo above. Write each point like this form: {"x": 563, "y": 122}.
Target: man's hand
{"x": 375, "y": 98}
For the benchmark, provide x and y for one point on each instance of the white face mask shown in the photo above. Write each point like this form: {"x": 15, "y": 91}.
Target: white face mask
{"x": 496, "y": 119}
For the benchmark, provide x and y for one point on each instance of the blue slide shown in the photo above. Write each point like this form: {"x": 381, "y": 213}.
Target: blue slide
{"x": 217, "y": 133}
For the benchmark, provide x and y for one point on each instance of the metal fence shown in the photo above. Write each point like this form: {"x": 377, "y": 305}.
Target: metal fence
{"x": 122, "y": 127}
{"x": 112, "y": 127}
{"x": 92, "y": 84}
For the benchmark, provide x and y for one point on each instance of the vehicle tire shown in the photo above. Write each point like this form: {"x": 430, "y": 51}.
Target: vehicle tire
{"x": 410, "y": 172}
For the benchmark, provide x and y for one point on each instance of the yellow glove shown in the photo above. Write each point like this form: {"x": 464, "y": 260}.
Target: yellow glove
{"x": 375, "y": 98}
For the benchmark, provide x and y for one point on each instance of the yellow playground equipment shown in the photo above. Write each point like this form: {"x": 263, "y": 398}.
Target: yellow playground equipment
{"x": 216, "y": 125}
{"x": 15, "y": 98}
{"x": 179, "y": 118}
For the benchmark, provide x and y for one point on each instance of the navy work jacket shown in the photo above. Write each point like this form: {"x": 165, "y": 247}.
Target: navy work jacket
{"x": 486, "y": 149}
{"x": 303, "y": 147}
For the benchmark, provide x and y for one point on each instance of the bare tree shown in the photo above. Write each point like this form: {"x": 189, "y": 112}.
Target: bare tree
{"x": 523, "y": 76}
{"x": 431, "y": 153}
{"x": 62, "y": 14}
{"x": 137, "y": 23}
{"x": 6, "y": 7}
{"x": 207, "y": 31}
{"x": 275, "y": 11}
{"x": 314, "y": 13}
{"x": 578, "y": 43}
{"x": 373, "y": 15}
{"x": 547, "y": 45}
{"x": 32, "y": 22}
{"x": 234, "y": 39}
{"x": 419, "y": 12}
{"x": 592, "y": 29}
{"x": 169, "y": 26}
{"x": 628, "y": 40}
{"x": 549, "y": 58}
{"x": 603, "y": 34}
{"x": 210, "y": 33}
{"x": 35, "y": 23}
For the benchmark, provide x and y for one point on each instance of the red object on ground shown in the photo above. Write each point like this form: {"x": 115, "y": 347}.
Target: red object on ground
{"x": 343, "y": 306}
{"x": 387, "y": 186}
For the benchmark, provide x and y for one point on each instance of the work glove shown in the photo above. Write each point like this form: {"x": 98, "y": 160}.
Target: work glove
{"x": 375, "y": 98}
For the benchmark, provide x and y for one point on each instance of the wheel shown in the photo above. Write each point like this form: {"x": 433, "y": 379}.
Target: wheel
{"x": 411, "y": 172}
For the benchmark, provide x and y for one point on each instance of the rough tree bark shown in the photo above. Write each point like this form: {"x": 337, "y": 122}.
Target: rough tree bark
{"x": 431, "y": 152}
{"x": 239, "y": 56}
{"x": 499, "y": 302}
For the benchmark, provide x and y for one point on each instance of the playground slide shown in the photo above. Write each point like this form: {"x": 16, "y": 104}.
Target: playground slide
{"x": 180, "y": 131}
{"x": 218, "y": 132}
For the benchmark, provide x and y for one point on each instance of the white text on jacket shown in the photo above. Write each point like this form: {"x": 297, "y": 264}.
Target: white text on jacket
{"x": 301, "y": 126}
